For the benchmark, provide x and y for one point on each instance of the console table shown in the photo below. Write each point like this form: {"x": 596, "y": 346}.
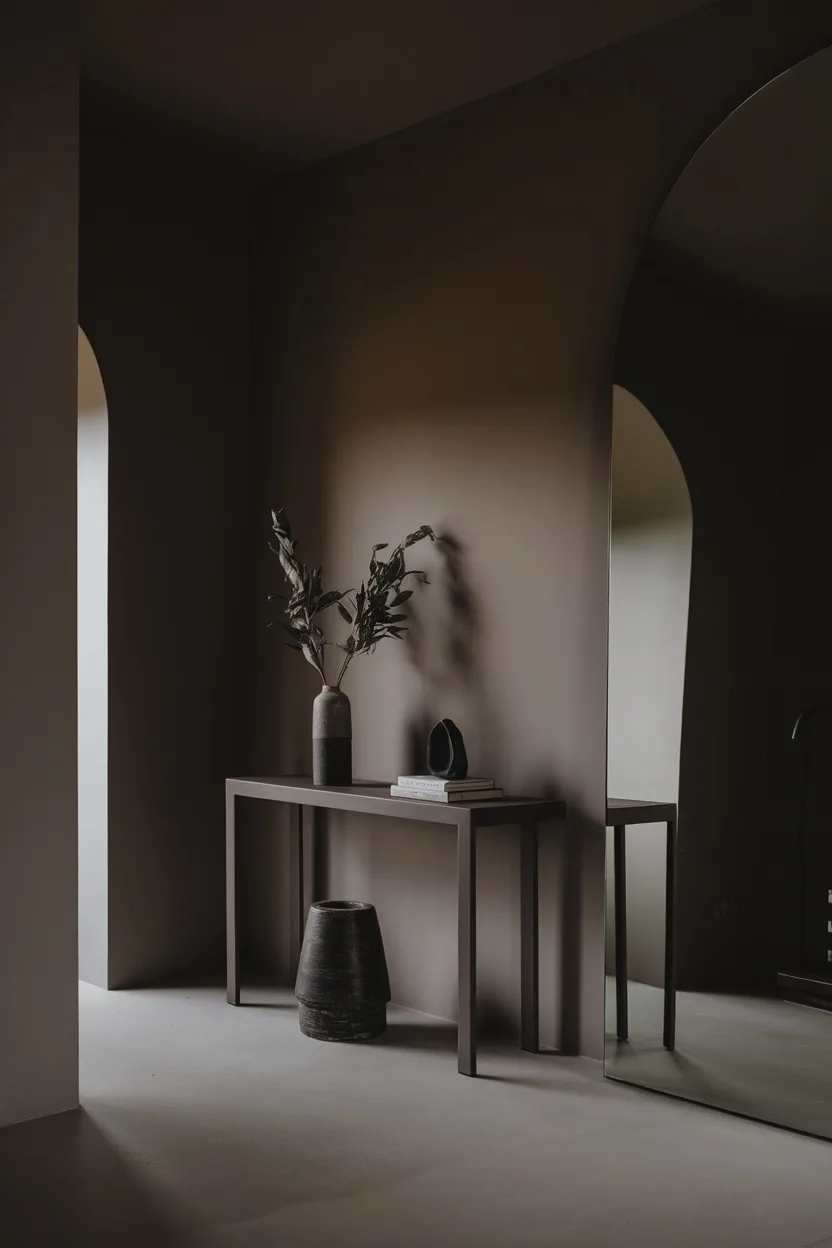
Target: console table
{"x": 466, "y": 818}
{"x": 622, "y": 812}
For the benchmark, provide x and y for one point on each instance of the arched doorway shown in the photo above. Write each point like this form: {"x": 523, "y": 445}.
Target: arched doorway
{"x": 93, "y": 450}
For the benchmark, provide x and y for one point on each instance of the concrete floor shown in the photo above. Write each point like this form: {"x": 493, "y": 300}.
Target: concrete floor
{"x": 758, "y": 1056}
{"x": 205, "y": 1125}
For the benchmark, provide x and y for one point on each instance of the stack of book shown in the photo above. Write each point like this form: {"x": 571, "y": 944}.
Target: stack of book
{"x": 434, "y": 789}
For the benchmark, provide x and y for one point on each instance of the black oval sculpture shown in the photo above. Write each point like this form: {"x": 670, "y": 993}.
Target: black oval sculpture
{"x": 446, "y": 751}
{"x": 342, "y": 984}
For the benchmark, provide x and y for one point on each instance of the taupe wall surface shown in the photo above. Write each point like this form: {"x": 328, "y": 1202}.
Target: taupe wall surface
{"x": 650, "y": 551}
{"x": 93, "y": 454}
{"x": 38, "y": 360}
{"x": 435, "y": 318}
{"x": 163, "y": 299}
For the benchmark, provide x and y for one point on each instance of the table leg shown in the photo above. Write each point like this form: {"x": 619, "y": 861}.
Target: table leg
{"x": 669, "y": 1038}
{"x": 296, "y": 891}
{"x": 467, "y": 945}
{"x": 232, "y": 930}
{"x": 620, "y": 884}
{"x": 529, "y": 941}
{"x": 312, "y": 823}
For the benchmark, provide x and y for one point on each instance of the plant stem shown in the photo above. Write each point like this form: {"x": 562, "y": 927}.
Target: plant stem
{"x": 343, "y": 670}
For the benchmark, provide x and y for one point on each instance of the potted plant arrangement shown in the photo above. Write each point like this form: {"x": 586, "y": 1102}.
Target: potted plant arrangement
{"x": 372, "y": 613}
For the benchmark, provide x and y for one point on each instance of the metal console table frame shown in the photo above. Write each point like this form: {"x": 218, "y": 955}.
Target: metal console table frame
{"x": 467, "y": 818}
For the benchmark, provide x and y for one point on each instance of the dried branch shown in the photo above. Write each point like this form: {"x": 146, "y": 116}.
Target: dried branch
{"x": 372, "y": 614}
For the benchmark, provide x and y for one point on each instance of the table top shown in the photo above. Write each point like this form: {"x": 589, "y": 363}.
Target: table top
{"x": 624, "y": 810}
{"x": 374, "y": 798}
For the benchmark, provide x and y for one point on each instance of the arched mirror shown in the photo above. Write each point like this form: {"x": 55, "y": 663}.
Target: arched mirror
{"x": 724, "y": 991}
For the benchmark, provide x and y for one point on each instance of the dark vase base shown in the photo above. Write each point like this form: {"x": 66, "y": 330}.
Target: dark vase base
{"x": 332, "y": 761}
{"x": 363, "y": 1024}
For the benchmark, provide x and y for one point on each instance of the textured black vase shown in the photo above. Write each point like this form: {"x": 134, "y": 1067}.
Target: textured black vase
{"x": 331, "y": 738}
{"x": 446, "y": 751}
{"x": 342, "y": 984}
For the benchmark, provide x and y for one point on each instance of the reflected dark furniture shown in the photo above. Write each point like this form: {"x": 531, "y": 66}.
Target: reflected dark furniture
{"x": 466, "y": 818}
{"x": 621, "y": 813}
{"x": 810, "y": 983}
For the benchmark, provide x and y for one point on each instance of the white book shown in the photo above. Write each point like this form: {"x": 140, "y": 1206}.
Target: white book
{"x": 437, "y": 784}
{"x": 428, "y": 795}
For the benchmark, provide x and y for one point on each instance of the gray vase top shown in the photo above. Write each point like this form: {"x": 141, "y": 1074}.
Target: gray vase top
{"x": 331, "y": 714}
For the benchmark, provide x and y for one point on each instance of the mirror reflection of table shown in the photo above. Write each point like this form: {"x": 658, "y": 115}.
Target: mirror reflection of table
{"x": 621, "y": 814}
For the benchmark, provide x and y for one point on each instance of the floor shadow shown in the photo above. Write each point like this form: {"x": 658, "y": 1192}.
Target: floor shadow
{"x": 442, "y": 1037}
{"x": 210, "y": 978}
{"x": 64, "y": 1185}
{"x": 268, "y": 1005}
{"x": 542, "y": 1084}
{"x": 419, "y": 1036}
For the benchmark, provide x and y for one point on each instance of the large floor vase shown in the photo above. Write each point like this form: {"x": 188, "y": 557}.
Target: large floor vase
{"x": 342, "y": 983}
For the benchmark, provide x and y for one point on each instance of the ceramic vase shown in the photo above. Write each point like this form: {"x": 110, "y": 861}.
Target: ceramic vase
{"x": 342, "y": 984}
{"x": 331, "y": 738}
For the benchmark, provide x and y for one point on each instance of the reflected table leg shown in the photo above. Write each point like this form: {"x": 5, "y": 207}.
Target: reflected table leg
{"x": 232, "y": 930}
{"x": 669, "y": 1037}
{"x": 620, "y": 877}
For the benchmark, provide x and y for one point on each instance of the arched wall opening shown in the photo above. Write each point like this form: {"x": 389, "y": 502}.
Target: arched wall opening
{"x": 651, "y": 533}
{"x": 93, "y": 478}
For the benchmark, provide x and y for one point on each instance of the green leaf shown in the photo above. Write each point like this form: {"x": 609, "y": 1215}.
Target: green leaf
{"x": 395, "y": 619}
{"x": 330, "y": 597}
{"x": 291, "y": 570}
{"x": 423, "y": 531}
{"x": 401, "y": 597}
{"x": 309, "y": 655}
{"x": 280, "y": 523}
{"x": 344, "y": 613}
{"x": 281, "y": 530}
{"x": 395, "y": 567}
{"x": 295, "y": 629}
{"x": 381, "y": 546}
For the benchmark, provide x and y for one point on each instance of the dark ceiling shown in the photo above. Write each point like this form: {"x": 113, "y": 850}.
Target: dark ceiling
{"x": 291, "y": 83}
{"x": 753, "y": 210}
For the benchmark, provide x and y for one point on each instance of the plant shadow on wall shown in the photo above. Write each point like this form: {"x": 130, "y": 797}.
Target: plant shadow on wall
{"x": 444, "y": 644}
